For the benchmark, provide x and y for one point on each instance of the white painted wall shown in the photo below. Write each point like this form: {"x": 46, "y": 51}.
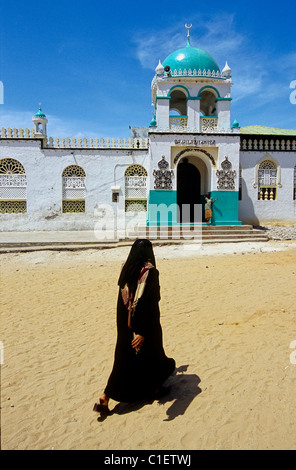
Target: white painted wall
{"x": 225, "y": 145}
{"x": 104, "y": 168}
{"x": 283, "y": 209}
{"x": 224, "y": 115}
{"x": 163, "y": 87}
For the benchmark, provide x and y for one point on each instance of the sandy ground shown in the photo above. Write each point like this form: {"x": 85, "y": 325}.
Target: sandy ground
{"x": 228, "y": 317}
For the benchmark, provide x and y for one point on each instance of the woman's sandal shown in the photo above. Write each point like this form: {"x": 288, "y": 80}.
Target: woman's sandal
{"x": 100, "y": 408}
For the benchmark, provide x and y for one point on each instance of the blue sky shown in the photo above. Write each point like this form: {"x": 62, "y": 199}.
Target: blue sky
{"x": 91, "y": 63}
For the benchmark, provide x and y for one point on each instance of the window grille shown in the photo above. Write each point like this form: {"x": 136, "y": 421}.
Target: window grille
{"x": 135, "y": 205}
{"x": 13, "y": 207}
{"x": 208, "y": 124}
{"x": 178, "y": 122}
{"x": 73, "y": 206}
{"x": 135, "y": 189}
{"x": 74, "y": 189}
{"x": 13, "y": 187}
{"x": 267, "y": 181}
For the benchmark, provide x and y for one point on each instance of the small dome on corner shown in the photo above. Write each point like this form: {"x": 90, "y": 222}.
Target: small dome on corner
{"x": 159, "y": 69}
{"x": 152, "y": 122}
{"x": 226, "y": 72}
{"x": 40, "y": 113}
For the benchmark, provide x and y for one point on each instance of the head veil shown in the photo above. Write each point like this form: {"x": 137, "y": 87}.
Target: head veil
{"x": 134, "y": 274}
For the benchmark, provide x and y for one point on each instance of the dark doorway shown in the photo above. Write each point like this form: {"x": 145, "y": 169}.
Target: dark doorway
{"x": 188, "y": 190}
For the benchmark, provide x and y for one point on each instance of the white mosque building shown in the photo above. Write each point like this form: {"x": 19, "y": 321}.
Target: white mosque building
{"x": 159, "y": 174}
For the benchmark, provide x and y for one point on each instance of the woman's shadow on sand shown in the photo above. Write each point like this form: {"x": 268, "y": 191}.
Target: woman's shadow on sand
{"x": 183, "y": 389}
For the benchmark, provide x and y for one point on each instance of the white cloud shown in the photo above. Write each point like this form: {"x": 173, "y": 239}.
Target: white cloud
{"x": 255, "y": 72}
{"x": 16, "y": 119}
{"x": 58, "y": 127}
{"x": 217, "y": 36}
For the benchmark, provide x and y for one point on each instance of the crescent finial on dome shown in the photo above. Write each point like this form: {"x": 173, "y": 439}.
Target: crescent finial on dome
{"x": 188, "y": 27}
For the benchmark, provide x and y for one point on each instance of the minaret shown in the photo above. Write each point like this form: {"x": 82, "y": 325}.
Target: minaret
{"x": 40, "y": 120}
{"x": 190, "y": 93}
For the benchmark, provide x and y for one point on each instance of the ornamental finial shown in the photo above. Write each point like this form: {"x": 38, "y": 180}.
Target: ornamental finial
{"x": 188, "y": 27}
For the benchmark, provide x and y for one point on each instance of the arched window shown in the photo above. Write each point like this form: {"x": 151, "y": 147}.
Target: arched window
{"x": 135, "y": 188}
{"x": 13, "y": 187}
{"x": 178, "y": 110}
{"x": 73, "y": 189}
{"x": 208, "y": 105}
{"x": 267, "y": 181}
{"x": 208, "y": 110}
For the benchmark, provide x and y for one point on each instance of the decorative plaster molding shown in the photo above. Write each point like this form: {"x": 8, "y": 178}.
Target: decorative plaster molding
{"x": 225, "y": 177}
{"x": 163, "y": 177}
{"x": 177, "y": 157}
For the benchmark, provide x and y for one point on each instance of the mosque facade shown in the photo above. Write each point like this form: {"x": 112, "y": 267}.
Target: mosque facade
{"x": 160, "y": 174}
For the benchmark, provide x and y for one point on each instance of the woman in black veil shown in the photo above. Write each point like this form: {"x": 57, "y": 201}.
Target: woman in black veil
{"x": 140, "y": 364}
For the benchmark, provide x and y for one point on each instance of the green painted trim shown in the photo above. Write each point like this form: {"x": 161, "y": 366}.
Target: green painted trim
{"x": 225, "y": 209}
{"x": 223, "y": 99}
{"x": 162, "y": 208}
{"x": 178, "y": 116}
{"x": 179, "y": 86}
{"x": 162, "y": 98}
{"x": 193, "y": 98}
{"x": 210, "y": 117}
{"x": 209, "y": 86}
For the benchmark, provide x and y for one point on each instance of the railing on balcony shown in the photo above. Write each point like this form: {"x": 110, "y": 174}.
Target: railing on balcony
{"x": 208, "y": 124}
{"x": 178, "y": 122}
{"x": 267, "y": 193}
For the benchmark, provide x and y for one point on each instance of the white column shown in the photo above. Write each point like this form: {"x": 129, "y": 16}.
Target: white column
{"x": 193, "y": 113}
{"x": 163, "y": 112}
{"x": 223, "y": 106}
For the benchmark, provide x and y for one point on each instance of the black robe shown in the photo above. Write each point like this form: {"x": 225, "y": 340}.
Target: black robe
{"x": 136, "y": 376}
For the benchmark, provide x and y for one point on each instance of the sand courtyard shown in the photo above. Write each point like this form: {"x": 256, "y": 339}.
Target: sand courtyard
{"x": 228, "y": 314}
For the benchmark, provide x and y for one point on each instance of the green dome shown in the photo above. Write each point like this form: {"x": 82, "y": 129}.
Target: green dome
{"x": 153, "y": 122}
{"x": 191, "y": 58}
{"x": 40, "y": 114}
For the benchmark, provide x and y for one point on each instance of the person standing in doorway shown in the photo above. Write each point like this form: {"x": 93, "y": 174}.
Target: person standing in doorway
{"x": 208, "y": 207}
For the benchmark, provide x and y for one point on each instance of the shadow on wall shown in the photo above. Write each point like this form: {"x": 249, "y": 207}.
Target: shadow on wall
{"x": 246, "y": 207}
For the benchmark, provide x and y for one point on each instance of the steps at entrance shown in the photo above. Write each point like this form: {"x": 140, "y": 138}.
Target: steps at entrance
{"x": 11, "y": 242}
{"x": 202, "y": 233}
